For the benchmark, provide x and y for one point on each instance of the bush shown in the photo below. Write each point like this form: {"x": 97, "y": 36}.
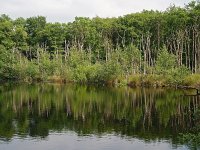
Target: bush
{"x": 79, "y": 74}
{"x": 32, "y": 70}
{"x": 109, "y": 72}
{"x": 192, "y": 80}
{"x": 7, "y": 64}
{"x": 165, "y": 63}
{"x": 93, "y": 73}
{"x": 178, "y": 75}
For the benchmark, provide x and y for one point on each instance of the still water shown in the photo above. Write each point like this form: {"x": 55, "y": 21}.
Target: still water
{"x": 74, "y": 117}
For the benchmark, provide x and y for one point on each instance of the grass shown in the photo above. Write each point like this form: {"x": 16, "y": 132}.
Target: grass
{"x": 192, "y": 80}
{"x": 137, "y": 80}
{"x": 153, "y": 80}
{"x": 147, "y": 80}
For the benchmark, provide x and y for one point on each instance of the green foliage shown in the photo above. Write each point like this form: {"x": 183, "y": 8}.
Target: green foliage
{"x": 7, "y": 64}
{"x": 192, "y": 80}
{"x": 167, "y": 67}
{"x": 165, "y": 63}
{"x": 93, "y": 73}
{"x": 83, "y": 71}
{"x": 103, "y": 49}
{"x": 110, "y": 71}
{"x": 178, "y": 75}
{"x": 32, "y": 70}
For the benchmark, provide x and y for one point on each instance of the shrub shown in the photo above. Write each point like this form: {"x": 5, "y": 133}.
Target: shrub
{"x": 192, "y": 80}
{"x": 177, "y": 75}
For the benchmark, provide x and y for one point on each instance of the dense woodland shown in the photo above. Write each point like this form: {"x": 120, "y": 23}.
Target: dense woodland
{"x": 150, "y": 46}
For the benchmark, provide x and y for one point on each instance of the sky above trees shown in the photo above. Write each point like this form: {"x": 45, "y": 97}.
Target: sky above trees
{"x": 67, "y": 10}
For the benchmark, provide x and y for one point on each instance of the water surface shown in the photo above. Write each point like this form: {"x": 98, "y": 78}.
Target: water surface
{"x": 54, "y": 116}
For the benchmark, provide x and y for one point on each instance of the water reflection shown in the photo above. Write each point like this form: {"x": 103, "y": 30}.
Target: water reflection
{"x": 143, "y": 114}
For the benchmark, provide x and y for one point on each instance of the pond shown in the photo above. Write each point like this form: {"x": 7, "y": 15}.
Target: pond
{"x": 77, "y": 117}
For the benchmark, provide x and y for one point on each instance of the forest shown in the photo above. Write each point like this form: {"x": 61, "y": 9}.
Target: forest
{"x": 155, "y": 48}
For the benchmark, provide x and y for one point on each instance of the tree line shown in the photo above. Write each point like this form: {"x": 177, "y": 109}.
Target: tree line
{"x": 102, "y": 49}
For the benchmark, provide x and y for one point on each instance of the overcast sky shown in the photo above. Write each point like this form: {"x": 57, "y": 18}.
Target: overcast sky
{"x": 66, "y": 10}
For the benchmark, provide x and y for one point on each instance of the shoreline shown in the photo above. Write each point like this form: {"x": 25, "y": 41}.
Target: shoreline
{"x": 143, "y": 81}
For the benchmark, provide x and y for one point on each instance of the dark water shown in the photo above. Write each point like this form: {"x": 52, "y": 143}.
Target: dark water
{"x": 51, "y": 116}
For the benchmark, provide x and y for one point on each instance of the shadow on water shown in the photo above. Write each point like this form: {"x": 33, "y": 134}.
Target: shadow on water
{"x": 146, "y": 114}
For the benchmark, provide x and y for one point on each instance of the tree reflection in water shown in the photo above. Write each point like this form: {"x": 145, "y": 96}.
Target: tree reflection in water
{"x": 147, "y": 114}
